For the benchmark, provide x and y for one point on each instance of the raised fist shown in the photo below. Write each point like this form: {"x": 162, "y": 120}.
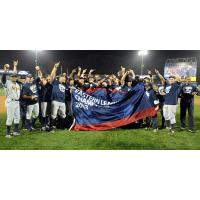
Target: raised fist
{"x": 6, "y": 67}
{"x": 156, "y": 71}
{"x": 57, "y": 64}
{"x": 74, "y": 71}
{"x": 37, "y": 68}
{"x": 84, "y": 71}
{"x": 15, "y": 62}
{"x": 92, "y": 70}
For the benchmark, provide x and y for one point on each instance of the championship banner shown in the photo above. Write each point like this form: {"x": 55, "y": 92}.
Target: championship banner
{"x": 104, "y": 112}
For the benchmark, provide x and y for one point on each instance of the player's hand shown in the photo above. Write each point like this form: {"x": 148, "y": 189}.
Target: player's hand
{"x": 123, "y": 68}
{"x": 74, "y": 71}
{"x": 6, "y": 68}
{"x": 84, "y": 71}
{"x": 156, "y": 71}
{"x": 131, "y": 71}
{"x": 15, "y": 63}
{"x": 57, "y": 64}
{"x": 37, "y": 68}
{"x": 92, "y": 70}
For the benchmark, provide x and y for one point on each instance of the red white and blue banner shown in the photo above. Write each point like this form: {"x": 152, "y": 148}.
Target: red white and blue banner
{"x": 99, "y": 109}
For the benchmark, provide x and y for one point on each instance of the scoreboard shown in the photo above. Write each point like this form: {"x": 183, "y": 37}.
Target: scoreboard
{"x": 182, "y": 67}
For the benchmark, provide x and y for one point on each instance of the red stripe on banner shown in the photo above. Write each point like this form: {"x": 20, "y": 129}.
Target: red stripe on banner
{"x": 110, "y": 125}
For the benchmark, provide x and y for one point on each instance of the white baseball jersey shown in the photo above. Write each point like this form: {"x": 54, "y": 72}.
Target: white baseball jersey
{"x": 12, "y": 90}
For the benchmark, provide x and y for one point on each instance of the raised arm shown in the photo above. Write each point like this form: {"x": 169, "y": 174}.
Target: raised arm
{"x": 90, "y": 72}
{"x": 39, "y": 71}
{"x": 15, "y": 63}
{"x": 83, "y": 73}
{"x": 53, "y": 72}
{"x": 79, "y": 72}
{"x": 162, "y": 79}
{"x": 123, "y": 77}
{"x": 132, "y": 73}
{"x": 72, "y": 74}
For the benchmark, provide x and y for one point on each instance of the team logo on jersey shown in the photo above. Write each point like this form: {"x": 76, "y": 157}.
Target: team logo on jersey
{"x": 61, "y": 88}
{"x": 167, "y": 89}
{"x": 33, "y": 88}
{"x": 161, "y": 89}
{"x": 187, "y": 89}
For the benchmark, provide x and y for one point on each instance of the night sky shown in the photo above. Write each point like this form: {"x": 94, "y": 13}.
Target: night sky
{"x": 104, "y": 62}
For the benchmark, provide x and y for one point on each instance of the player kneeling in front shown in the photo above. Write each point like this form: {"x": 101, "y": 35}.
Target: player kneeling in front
{"x": 12, "y": 90}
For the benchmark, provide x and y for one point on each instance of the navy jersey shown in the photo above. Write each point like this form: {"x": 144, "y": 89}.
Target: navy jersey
{"x": 152, "y": 97}
{"x": 31, "y": 89}
{"x": 58, "y": 91}
{"x": 187, "y": 90}
{"x": 46, "y": 92}
{"x": 171, "y": 94}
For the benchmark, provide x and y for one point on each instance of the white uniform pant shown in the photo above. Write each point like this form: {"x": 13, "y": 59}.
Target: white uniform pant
{"x": 32, "y": 111}
{"x": 13, "y": 112}
{"x": 45, "y": 109}
{"x": 169, "y": 112}
{"x": 58, "y": 108}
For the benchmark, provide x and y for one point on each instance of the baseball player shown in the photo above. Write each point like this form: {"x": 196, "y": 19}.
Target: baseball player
{"x": 187, "y": 92}
{"x": 171, "y": 93}
{"x": 12, "y": 90}
{"x": 58, "y": 97}
{"x": 45, "y": 100}
{"x": 31, "y": 97}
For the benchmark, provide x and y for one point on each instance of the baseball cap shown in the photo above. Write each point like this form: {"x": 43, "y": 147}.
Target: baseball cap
{"x": 13, "y": 75}
{"x": 29, "y": 76}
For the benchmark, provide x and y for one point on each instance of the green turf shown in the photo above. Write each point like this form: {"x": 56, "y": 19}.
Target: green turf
{"x": 115, "y": 139}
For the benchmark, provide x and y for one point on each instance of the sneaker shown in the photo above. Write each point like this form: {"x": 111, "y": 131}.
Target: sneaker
{"x": 16, "y": 133}
{"x": 191, "y": 131}
{"x": 182, "y": 128}
{"x": 43, "y": 129}
{"x": 171, "y": 131}
{"x": 8, "y": 136}
{"x": 33, "y": 129}
{"x": 155, "y": 130}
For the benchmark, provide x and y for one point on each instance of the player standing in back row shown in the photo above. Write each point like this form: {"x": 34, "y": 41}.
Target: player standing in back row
{"x": 12, "y": 90}
{"x": 58, "y": 106}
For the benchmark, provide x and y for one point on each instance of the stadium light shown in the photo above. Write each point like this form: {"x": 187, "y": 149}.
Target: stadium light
{"x": 36, "y": 56}
{"x": 142, "y": 54}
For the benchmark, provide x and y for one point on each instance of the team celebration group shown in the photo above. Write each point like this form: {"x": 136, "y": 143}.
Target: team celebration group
{"x": 47, "y": 98}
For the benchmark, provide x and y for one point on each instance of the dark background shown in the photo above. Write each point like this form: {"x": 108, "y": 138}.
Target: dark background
{"x": 104, "y": 61}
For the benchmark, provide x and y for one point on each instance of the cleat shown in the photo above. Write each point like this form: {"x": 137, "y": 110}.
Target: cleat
{"x": 16, "y": 133}
{"x": 171, "y": 131}
{"x": 8, "y": 136}
{"x": 43, "y": 129}
{"x": 191, "y": 131}
{"x": 155, "y": 130}
{"x": 182, "y": 128}
{"x": 33, "y": 129}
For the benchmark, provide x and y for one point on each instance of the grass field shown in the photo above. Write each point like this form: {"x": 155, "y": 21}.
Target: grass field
{"x": 106, "y": 140}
